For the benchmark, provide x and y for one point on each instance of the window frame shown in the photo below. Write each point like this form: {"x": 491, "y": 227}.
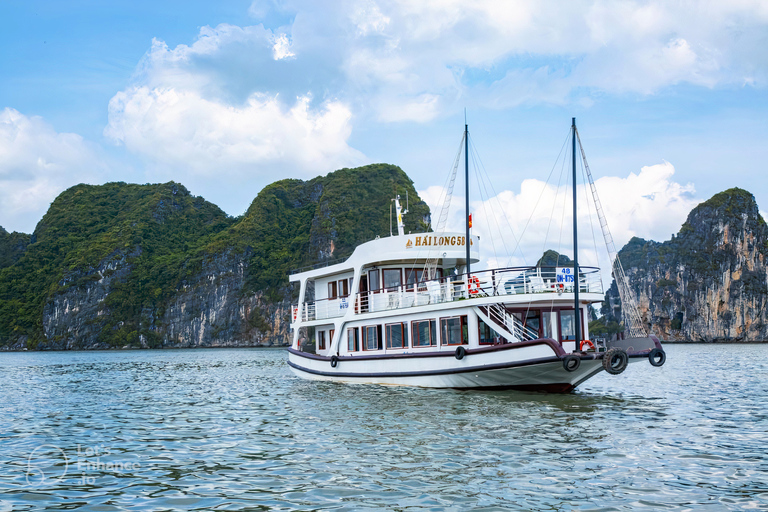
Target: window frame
{"x": 343, "y": 287}
{"x": 356, "y": 343}
{"x": 463, "y": 329}
{"x": 384, "y": 272}
{"x": 332, "y": 290}
{"x": 377, "y": 331}
{"x": 321, "y": 340}
{"x": 433, "y": 341}
{"x": 560, "y": 336}
{"x": 371, "y": 288}
{"x": 403, "y": 335}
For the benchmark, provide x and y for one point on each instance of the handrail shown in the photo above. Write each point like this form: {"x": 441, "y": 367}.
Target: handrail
{"x": 485, "y": 283}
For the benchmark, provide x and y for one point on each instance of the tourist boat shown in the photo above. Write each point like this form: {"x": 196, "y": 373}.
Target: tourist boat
{"x": 410, "y": 310}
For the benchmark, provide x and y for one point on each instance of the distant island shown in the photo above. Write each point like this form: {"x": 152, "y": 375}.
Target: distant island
{"x": 151, "y": 266}
{"x": 709, "y": 283}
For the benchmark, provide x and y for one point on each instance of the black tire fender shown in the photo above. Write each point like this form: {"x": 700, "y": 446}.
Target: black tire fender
{"x": 571, "y": 363}
{"x": 334, "y": 361}
{"x": 460, "y": 353}
{"x": 615, "y": 360}
{"x": 657, "y": 357}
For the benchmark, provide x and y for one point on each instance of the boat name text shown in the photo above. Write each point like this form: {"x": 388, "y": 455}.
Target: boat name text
{"x": 435, "y": 240}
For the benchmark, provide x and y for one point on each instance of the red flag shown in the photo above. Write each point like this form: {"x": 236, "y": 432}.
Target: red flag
{"x": 470, "y": 220}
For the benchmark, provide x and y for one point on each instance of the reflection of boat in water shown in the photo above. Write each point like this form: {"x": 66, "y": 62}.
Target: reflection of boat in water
{"x": 408, "y": 310}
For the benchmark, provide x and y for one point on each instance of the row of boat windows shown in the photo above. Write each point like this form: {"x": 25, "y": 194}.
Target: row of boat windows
{"x": 377, "y": 279}
{"x": 418, "y": 333}
{"x": 453, "y": 331}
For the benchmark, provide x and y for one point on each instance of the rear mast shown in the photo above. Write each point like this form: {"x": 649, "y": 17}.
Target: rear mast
{"x": 576, "y": 311}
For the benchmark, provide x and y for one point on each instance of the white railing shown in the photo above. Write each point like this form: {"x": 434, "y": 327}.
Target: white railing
{"x": 498, "y": 313}
{"x": 325, "y": 308}
{"x": 486, "y": 283}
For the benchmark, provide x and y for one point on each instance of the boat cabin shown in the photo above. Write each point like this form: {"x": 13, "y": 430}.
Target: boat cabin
{"x": 410, "y": 294}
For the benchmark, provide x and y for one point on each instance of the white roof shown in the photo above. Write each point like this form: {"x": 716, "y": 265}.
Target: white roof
{"x": 414, "y": 247}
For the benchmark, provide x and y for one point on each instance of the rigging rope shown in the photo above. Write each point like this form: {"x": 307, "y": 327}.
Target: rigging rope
{"x": 632, "y": 319}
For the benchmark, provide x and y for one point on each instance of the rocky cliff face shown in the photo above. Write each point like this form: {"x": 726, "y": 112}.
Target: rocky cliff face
{"x": 710, "y": 282}
{"x": 151, "y": 266}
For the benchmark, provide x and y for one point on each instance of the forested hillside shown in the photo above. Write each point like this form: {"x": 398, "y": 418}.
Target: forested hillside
{"x": 124, "y": 265}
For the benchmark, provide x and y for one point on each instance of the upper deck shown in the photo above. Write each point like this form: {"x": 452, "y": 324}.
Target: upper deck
{"x": 509, "y": 285}
{"x": 448, "y": 248}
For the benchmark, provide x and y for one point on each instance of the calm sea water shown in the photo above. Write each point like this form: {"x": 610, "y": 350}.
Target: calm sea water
{"x": 234, "y": 429}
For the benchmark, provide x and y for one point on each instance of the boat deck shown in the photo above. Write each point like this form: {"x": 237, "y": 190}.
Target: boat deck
{"x": 519, "y": 284}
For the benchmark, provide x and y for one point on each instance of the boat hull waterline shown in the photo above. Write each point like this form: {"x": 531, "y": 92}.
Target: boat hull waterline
{"x": 533, "y": 366}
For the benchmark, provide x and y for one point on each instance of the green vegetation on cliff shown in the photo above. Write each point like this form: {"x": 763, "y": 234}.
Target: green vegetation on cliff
{"x": 712, "y": 272}
{"x": 155, "y": 240}
{"x": 294, "y": 223}
{"x": 155, "y": 227}
{"x": 12, "y": 246}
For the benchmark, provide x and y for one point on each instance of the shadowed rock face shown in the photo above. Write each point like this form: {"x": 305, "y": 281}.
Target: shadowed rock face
{"x": 710, "y": 282}
{"x": 151, "y": 266}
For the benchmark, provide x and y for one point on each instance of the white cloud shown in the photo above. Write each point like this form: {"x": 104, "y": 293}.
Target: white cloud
{"x": 182, "y": 130}
{"x": 282, "y": 47}
{"x": 242, "y": 98}
{"x": 649, "y": 204}
{"x": 36, "y": 164}
{"x": 499, "y": 54}
{"x": 192, "y": 108}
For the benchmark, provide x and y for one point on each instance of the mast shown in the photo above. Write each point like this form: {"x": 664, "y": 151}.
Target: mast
{"x": 576, "y": 312}
{"x": 466, "y": 190}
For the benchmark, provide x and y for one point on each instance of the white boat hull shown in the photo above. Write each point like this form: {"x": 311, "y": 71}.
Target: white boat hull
{"x": 529, "y": 367}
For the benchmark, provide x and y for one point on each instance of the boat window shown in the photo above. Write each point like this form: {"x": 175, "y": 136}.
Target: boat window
{"x": 546, "y": 324}
{"x": 321, "y": 340}
{"x": 413, "y": 276}
{"x": 487, "y": 335}
{"x": 374, "y": 283}
{"x": 424, "y": 333}
{"x": 392, "y": 278}
{"x": 397, "y": 335}
{"x": 353, "y": 339}
{"x": 533, "y": 320}
{"x": 568, "y": 325}
{"x": 372, "y": 335}
{"x": 332, "y": 290}
{"x": 343, "y": 288}
{"x": 454, "y": 330}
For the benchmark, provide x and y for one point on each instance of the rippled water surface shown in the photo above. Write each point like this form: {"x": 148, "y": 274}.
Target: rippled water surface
{"x": 234, "y": 429}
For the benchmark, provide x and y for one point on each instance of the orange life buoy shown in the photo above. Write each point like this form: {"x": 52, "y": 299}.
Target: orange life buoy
{"x": 586, "y": 342}
{"x": 473, "y": 285}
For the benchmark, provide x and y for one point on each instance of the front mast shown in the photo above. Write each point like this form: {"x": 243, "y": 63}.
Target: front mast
{"x": 576, "y": 312}
{"x": 466, "y": 191}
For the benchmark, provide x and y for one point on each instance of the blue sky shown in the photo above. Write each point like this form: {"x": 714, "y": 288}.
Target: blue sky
{"x": 226, "y": 97}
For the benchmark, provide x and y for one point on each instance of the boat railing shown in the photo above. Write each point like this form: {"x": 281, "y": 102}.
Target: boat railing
{"x": 485, "y": 283}
{"x": 499, "y": 314}
{"x": 325, "y": 308}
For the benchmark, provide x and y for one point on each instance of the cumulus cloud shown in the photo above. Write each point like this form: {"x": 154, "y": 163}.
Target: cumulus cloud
{"x": 252, "y": 98}
{"x": 206, "y": 108}
{"x": 36, "y": 164}
{"x": 500, "y": 54}
{"x": 516, "y": 227}
{"x": 181, "y": 129}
